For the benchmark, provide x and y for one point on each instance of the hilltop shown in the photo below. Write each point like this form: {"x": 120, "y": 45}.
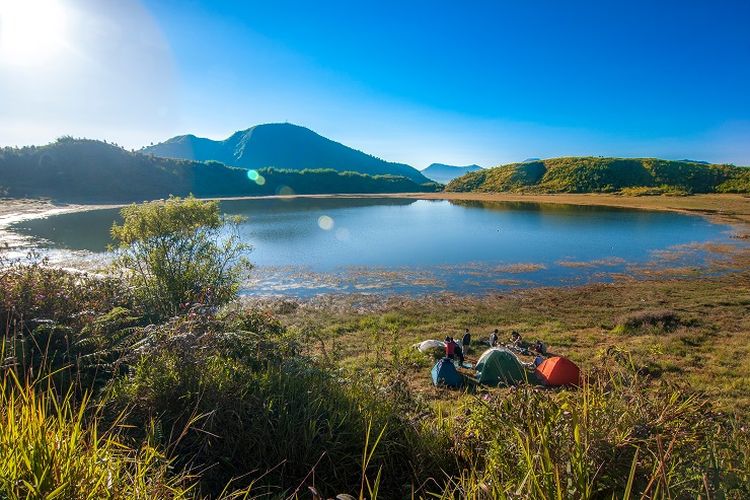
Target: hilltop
{"x": 442, "y": 173}
{"x": 83, "y": 170}
{"x": 607, "y": 175}
{"x": 280, "y": 145}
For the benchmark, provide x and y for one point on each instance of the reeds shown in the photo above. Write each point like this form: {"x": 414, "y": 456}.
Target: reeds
{"x": 53, "y": 448}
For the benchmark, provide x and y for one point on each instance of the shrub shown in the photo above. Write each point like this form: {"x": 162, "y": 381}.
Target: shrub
{"x": 250, "y": 407}
{"x": 52, "y": 321}
{"x": 170, "y": 251}
{"x": 659, "y": 320}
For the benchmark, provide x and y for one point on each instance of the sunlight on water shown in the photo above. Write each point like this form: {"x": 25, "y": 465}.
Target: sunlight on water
{"x": 304, "y": 246}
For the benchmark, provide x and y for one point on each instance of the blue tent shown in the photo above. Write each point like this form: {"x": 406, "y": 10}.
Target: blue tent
{"x": 444, "y": 373}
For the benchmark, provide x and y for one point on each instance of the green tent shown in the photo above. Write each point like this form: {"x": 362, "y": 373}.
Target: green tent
{"x": 499, "y": 366}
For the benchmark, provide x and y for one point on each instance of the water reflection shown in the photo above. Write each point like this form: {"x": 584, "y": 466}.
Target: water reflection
{"x": 305, "y": 245}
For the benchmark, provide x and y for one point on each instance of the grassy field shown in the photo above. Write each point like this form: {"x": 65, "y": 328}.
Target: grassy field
{"x": 283, "y": 399}
{"x": 704, "y": 348}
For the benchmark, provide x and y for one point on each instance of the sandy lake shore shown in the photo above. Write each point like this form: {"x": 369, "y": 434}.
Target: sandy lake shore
{"x": 17, "y": 210}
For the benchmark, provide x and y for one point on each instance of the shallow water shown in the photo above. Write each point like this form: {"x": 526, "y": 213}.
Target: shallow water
{"x": 305, "y": 246}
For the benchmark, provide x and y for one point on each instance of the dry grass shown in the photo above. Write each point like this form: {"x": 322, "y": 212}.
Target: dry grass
{"x": 706, "y": 348}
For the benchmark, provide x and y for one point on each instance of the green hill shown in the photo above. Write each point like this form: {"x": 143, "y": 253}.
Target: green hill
{"x": 81, "y": 170}
{"x": 281, "y": 145}
{"x": 607, "y": 175}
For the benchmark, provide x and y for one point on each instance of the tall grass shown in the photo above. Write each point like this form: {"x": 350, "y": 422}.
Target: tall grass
{"x": 615, "y": 437}
{"x": 53, "y": 448}
{"x": 240, "y": 406}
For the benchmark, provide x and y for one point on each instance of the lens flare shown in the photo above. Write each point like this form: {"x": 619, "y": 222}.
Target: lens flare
{"x": 255, "y": 177}
{"x": 284, "y": 191}
{"x": 342, "y": 234}
{"x": 325, "y": 223}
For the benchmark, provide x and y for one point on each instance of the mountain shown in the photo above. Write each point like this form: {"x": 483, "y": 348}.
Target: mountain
{"x": 81, "y": 170}
{"x": 280, "y": 145}
{"x": 606, "y": 175}
{"x": 443, "y": 174}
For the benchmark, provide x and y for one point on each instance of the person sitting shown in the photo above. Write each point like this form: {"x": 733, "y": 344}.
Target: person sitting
{"x": 540, "y": 347}
{"x": 515, "y": 338}
{"x": 493, "y": 338}
{"x": 450, "y": 348}
{"x": 517, "y": 343}
{"x": 466, "y": 341}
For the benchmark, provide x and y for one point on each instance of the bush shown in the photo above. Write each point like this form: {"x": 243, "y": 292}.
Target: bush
{"x": 52, "y": 323}
{"x": 254, "y": 410}
{"x": 170, "y": 252}
{"x": 658, "y": 320}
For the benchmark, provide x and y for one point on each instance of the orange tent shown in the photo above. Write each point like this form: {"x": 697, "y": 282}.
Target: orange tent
{"x": 558, "y": 371}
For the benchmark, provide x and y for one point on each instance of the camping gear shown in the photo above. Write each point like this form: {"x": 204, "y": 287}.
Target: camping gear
{"x": 429, "y": 345}
{"x": 444, "y": 373}
{"x": 557, "y": 371}
{"x": 499, "y": 366}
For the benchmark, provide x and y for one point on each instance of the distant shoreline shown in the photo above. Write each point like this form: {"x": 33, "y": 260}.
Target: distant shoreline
{"x": 733, "y": 209}
{"x": 727, "y": 208}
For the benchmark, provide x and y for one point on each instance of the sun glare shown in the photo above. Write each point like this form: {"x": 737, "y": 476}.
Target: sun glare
{"x": 31, "y": 31}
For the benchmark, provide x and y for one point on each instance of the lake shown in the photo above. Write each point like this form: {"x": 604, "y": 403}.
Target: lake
{"x": 306, "y": 246}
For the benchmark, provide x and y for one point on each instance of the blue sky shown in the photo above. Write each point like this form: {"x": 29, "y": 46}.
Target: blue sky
{"x": 422, "y": 82}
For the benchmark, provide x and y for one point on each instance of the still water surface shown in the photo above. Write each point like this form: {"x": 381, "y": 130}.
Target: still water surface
{"x": 306, "y": 246}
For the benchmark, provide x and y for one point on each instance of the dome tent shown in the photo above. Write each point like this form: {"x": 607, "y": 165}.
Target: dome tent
{"x": 558, "y": 371}
{"x": 444, "y": 373}
{"x": 499, "y": 366}
{"x": 431, "y": 345}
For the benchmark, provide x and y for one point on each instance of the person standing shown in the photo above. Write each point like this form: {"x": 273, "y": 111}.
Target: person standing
{"x": 450, "y": 348}
{"x": 466, "y": 341}
{"x": 459, "y": 352}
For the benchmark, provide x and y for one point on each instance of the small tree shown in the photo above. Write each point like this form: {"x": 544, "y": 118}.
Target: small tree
{"x": 180, "y": 252}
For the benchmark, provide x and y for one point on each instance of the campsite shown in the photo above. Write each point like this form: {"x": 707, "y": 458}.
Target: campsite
{"x": 387, "y": 250}
{"x": 499, "y": 366}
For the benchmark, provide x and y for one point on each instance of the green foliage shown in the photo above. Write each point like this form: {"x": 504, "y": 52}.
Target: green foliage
{"x": 281, "y": 145}
{"x": 80, "y": 170}
{"x": 287, "y": 182}
{"x": 632, "y": 176}
{"x": 252, "y": 407}
{"x": 658, "y": 321}
{"x": 738, "y": 184}
{"x": 241, "y": 404}
{"x": 173, "y": 255}
{"x": 52, "y": 322}
{"x": 52, "y": 448}
{"x": 616, "y": 435}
